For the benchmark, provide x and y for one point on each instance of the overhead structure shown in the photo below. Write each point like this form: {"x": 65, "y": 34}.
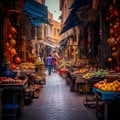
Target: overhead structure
{"x": 76, "y": 15}
{"x": 64, "y": 41}
{"x": 37, "y": 12}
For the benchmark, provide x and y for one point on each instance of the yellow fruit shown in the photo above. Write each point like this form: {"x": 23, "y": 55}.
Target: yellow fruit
{"x": 12, "y": 42}
{"x": 13, "y": 51}
{"x": 13, "y": 30}
{"x": 7, "y": 45}
{"x": 113, "y": 48}
{"x": 110, "y": 59}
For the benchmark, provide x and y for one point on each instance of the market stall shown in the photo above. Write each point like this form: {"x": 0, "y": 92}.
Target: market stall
{"x": 13, "y": 96}
{"x": 20, "y": 85}
{"x": 105, "y": 91}
{"x": 36, "y": 78}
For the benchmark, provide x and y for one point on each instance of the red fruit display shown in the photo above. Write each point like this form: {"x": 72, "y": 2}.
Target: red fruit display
{"x": 17, "y": 60}
{"x": 13, "y": 30}
{"x": 117, "y": 69}
{"x": 9, "y": 36}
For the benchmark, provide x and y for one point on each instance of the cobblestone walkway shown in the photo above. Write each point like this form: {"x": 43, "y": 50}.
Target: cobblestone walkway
{"x": 56, "y": 102}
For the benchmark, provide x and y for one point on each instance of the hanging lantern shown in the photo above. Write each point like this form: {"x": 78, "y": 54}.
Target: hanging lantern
{"x": 114, "y": 48}
{"x": 10, "y": 36}
{"x": 13, "y": 51}
{"x": 9, "y": 24}
{"x": 12, "y": 42}
{"x": 116, "y": 12}
{"x": 111, "y": 31}
{"x": 109, "y": 59}
{"x": 17, "y": 60}
{"x": 9, "y": 49}
{"x": 13, "y": 30}
{"x": 7, "y": 45}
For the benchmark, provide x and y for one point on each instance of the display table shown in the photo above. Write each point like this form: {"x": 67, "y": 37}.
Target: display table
{"x": 79, "y": 83}
{"x": 12, "y": 84}
{"x": 70, "y": 80}
{"x": 88, "y": 88}
{"x": 106, "y": 97}
{"x": 13, "y": 97}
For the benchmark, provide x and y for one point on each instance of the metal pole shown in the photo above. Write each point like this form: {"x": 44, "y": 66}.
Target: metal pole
{"x": 101, "y": 34}
{"x": 36, "y": 46}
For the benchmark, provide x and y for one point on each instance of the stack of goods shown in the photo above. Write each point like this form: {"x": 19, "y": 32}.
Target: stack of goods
{"x": 11, "y": 81}
{"x": 40, "y": 78}
{"x": 108, "y": 86}
{"x": 10, "y": 47}
{"x": 37, "y": 80}
{"x": 88, "y": 75}
{"x": 39, "y": 66}
{"x": 27, "y": 67}
{"x": 40, "y": 75}
{"x": 100, "y": 73}
{"x": 113, "y": 19}
{"x": 37, "y": 88}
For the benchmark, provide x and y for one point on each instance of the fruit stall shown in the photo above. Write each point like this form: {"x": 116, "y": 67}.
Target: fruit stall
{"x": 113, "y": 40}
{"x": 105, "y": 91}
{"x": 36, "y": 77}
{"x": 99, "y": 86}
{"x": 13, "y": 96}
{"x": 20, "y": 85}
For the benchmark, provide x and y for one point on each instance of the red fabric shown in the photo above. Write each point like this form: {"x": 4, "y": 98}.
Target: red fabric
{"x": 63, "y": 71}
{"x": 54, "y": 60}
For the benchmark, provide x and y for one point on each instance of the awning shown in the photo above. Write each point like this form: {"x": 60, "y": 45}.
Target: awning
{"x": 37, "y": 12}
{"x": 48, "y": 44}
{"x": 70, "y": 22}
{"x": 73, "y": 18}
{"x": 79, "y": 3}
{"x": 64, "y": 41}
{"x": 85, "y": 13}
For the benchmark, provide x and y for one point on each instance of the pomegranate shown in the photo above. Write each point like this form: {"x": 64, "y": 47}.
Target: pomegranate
{"x": 17, "y": 60}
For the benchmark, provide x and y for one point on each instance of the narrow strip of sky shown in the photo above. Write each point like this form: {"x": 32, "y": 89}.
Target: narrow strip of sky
{"x": 53, "y": 7}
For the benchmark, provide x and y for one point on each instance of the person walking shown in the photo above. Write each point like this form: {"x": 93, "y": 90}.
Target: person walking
{"x": 54, "y": 63}
{"x": 49, "y": 62}
{"x": 55, "y": 60}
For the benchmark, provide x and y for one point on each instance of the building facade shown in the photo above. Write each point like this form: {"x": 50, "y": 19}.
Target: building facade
{"x": 69, "y": 38}
{"x": 92, "y": 23}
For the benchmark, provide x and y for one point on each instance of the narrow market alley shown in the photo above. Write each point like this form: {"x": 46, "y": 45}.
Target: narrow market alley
{"x": 56, "y": 102}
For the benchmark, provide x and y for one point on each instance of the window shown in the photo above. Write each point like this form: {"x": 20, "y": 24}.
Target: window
{"x": 54, "y": 31}
{"x": 58, "y": 31}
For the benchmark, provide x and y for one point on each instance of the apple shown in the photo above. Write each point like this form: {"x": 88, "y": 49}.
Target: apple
{"x": 17, "y": 60}
{"x": 9, "y": 36}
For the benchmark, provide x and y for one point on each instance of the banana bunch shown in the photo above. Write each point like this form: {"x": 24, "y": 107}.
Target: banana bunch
{"x": 38, "y": 77}
{"x": 87, "y": 75}
{"x": 27, "y": 65}
{"x": 38, "y": 63}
